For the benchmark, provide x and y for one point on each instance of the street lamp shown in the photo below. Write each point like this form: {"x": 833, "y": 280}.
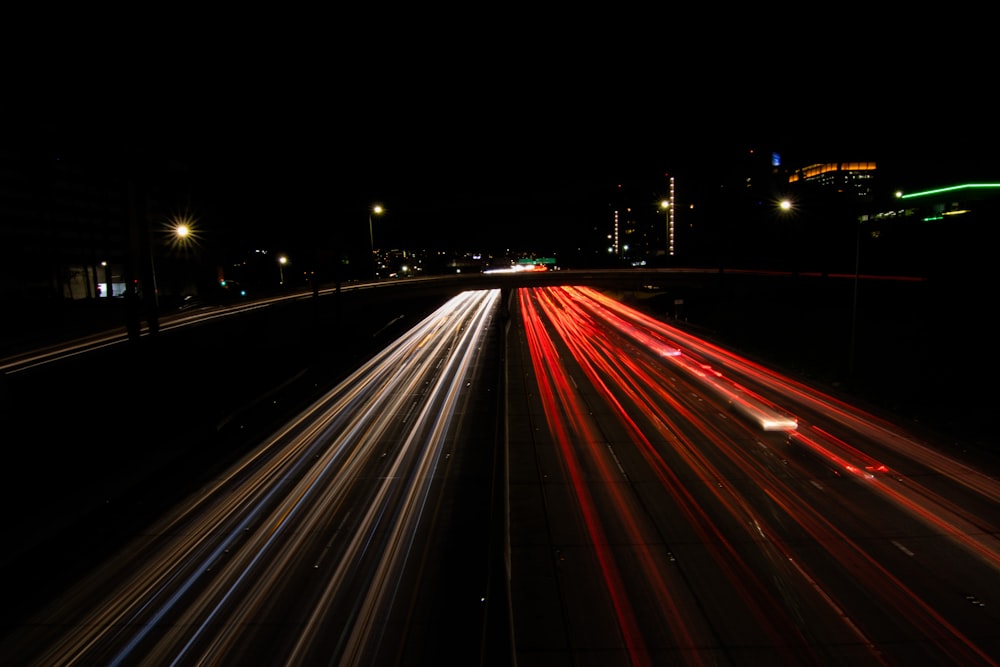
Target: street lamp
{"x": 177, "y": 237}
{"x": 282, "y": 260}
{"x": 376, "y": 210}
{"x": 786, "y": 208}
{"x": 182, "y": 233}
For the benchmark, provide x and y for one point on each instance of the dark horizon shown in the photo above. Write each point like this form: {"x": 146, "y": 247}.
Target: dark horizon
{"x": 462, "y": 180}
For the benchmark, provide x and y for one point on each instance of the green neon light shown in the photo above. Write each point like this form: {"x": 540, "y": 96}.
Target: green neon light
{"x": 967, "y": 186}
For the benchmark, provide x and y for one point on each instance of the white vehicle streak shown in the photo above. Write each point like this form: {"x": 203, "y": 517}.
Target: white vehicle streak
{"x": 351, "y": 465}
{"x": 767, "y": 416}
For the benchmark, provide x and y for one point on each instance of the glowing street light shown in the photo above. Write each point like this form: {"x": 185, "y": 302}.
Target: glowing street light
{"x": 282, "y": 260}
{"x": 181, "y": 233}
{"x": 376, "y": 210}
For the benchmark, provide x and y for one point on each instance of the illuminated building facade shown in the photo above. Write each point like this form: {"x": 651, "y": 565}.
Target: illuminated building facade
{"x": 852, "y": 178}
{"x": 669, "y": 204}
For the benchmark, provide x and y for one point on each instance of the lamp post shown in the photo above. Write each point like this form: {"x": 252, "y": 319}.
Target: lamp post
{"x": 177, "y": 236}
{"x": 182, "y": 236}
{"x": 282, "y": 260}
{"x": 376, "y": 210}
{"x": 785, "y": 209}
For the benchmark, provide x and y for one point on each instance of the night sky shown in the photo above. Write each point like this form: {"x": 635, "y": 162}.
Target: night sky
{"x": 474, "y": 137}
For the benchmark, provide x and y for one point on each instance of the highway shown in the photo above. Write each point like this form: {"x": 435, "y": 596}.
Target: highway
{"x": 655, "y": 520}
{"x": 617, "y": 491}
{"x": 314, "y": 547}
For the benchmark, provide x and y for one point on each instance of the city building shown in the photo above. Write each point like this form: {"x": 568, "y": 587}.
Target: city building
{"x": 937, "y": 232}
{"x": 63, "y": 226}
{"x": 853, "y": 179}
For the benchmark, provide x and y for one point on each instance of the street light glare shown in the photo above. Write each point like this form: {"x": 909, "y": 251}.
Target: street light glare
{"x": 181, "y": 232}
